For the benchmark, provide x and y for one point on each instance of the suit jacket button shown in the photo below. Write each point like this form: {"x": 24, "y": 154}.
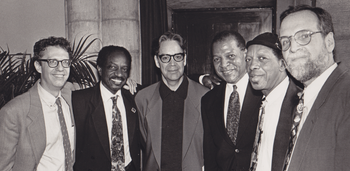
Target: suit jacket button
{"x": 236, "y": 150}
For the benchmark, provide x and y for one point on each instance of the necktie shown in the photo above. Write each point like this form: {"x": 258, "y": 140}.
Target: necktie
{"x": 117, "y": 146}
{"x": 257, "y": 142}
{"x": 294, "y": 131}
{"x": 233, "y": 114}
{"x": 66, "y": 142}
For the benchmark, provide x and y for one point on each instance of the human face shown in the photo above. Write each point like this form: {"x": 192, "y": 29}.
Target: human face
{"x": 53, "y": 79}
{"x": 115, "y": 71}
{"x": 228, "y": 59}
{"x": 306, "y": 62}
{"x": 265, "y": 70}
{"x": 172, "y": 72}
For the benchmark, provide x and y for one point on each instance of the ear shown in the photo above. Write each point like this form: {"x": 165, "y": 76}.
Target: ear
{"x": 37, "y": 66}
{"x": 245, "y": 52}
{"x": 156, "y": 61}
{"x": 330, "y": 42}
{"x": 185, "y": 59}
{"x": 99, "y": 70}
{"x": 282, "y": 65}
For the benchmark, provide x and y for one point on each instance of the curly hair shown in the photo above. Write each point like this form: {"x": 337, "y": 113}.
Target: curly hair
{"x": 42, "y": 44}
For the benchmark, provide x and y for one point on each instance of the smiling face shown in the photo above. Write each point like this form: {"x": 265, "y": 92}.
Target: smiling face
{"x": 172, "y": 72}
{"x": 53, "y": 79}
{"x": 228, "y": 60}
{"x": 307, "y": 62}
{"x": 115, "y": 71}
{"x": 265, "y": 70}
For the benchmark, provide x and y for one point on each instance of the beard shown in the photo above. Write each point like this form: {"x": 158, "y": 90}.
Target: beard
{"x": 306, "y": 68}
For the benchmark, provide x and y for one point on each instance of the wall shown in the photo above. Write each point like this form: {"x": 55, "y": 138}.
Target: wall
{"x": 23, "y": 22}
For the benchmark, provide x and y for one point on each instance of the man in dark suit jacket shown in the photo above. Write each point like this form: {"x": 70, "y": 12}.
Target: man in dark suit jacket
{"x": 323, "y": 140}
{"x": 267, "y": 73}
{"x": 93, "y": 114}
{"x": 220, "y": 152}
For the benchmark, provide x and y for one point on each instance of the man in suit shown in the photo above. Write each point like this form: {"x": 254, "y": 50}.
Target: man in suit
{"x": 37, "y": 128}
{"x": 108, "y": 135}
{"x": 322, "y": 139}
{"x": 170, "y": 118}
{"x": 229, "y": 129}
{"x": 267, "y": 73}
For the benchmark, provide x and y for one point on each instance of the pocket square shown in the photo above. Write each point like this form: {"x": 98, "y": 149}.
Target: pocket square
{"x": 133, "y": 110}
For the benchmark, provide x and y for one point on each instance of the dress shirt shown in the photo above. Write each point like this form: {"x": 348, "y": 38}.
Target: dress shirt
{"x": 273, "y": 106}
{"x": 108, "y": 104}
{"x": 241, "y": 89}
{"x": 53, "y": 157}
{"x": 310, "y": 95}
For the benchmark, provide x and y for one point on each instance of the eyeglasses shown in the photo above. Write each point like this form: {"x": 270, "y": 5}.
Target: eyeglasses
{"x": 53, "y": 63}
{"x": 302, "y": 37}
{"x": 165, "y": 58}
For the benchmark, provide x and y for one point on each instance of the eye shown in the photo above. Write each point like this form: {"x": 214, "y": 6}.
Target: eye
{"x": 261, "y": 58}
{"x": 216, "y": 59}
{"x": 164, "y": 58}
{"x": 125, "y": 69}
{"x": 231, "y": 56}
{"x": 111, "y": 67}
{"x": 248, "y": 59}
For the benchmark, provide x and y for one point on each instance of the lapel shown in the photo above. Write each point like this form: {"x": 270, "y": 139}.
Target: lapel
{"x": 305, "y": 132}
{"x": 36, "y": 127}
{"x": 131, "y": 113}
{"x": 99, "y": 120}
{"x": 249, "y": 112}
{"x": 284, "y": 125}
{"x": 191, "y": 117}
{"x": 154, "y": 121}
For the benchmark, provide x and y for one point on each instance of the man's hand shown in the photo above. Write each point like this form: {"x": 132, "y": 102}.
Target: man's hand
{"x": 131, "y": 86}
{"x": 211, "y": 80}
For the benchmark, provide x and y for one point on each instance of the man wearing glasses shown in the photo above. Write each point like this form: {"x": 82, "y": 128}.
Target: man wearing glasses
{"x": 170, "y": 117}
{"x": 319, "y": 139}
{"x": 37, "y": 128}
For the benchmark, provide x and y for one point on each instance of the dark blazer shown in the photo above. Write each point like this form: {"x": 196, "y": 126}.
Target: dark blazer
{"x": 93, "y": 148}
{"x": 219, "y": 151}
{"x": 284, "y": 126}
{"x": 324, "y": 140}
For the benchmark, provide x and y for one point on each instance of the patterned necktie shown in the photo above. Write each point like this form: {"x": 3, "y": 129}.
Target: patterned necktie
{"x": 294, "y": 132}
{"x": 257, "y": 142}
{"x": 233, "y": 114}
{"x": 117, "y": 146}
{"x": 66, "y": 142}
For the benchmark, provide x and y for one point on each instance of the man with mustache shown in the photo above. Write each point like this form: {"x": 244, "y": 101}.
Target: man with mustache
{"x": 230, "y": 110}
{"x": 170, "y": 117}
{"x": 267, "y": 73}
{"x": 37, "y": 130}
{"x": 320, "y": 139}
{"x": 108, "y": 135}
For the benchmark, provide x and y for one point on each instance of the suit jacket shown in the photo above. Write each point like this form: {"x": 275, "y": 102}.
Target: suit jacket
{"x": 284, "y": 126}
{"x": 22, "y": 131}
{"x": 93, "y": 148}
{"x": 219, "y": 151}
{"x": 149, "y": 104}
{"x": 324, "y": 140}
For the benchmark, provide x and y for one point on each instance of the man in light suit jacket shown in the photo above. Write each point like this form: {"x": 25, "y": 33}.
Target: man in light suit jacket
{"x": 323, "y": 140}
{"x": 30, "y": 128}
{"x": 220, "y": 151}
{"x": 267, "y": 73}
{"x": 170, "y": 118}
{"x": 93, "y": 114}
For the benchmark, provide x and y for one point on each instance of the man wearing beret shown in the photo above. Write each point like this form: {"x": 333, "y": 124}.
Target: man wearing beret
{"x": 267, "y": 72}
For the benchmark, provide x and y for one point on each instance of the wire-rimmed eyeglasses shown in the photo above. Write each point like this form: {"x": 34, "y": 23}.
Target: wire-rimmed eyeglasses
{"x": 53, "y": 63}
{"x": 165, "y": 58}
{"x": 302, "y": 37}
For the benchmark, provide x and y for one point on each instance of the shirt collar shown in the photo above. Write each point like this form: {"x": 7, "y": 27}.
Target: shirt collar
{"x": 279, "y": 90}
{"x": 181, "y": 91}
{"x": 106, "y": 94}
{"x": 47, "y": 97}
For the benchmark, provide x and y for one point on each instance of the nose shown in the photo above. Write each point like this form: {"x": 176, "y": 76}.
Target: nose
{"x": 294, "y": 46}
{"x": 224, "y": 62}
{"x": 60, "y": 66}
{"x": 172, "y": 61}
{"x": 254, "y": 64}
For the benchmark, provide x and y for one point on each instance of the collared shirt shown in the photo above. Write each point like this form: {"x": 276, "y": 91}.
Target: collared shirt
{"x": 273, "y": 106}
{"x": 53, "y": 157}
{"x": 241, "y": 88}
{"x": 310, "y": 95}
{"x": 108, "y": 104}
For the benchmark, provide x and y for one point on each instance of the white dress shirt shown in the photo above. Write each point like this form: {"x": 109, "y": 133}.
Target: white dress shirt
{"x": 108, "y": 104}
{"x": 241, "y": 89}
{"x": 53, "y": 157}
{"x": 273, "y": 106}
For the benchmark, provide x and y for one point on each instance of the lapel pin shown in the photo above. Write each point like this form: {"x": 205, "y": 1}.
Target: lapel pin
{"x": 133, "y": 110}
